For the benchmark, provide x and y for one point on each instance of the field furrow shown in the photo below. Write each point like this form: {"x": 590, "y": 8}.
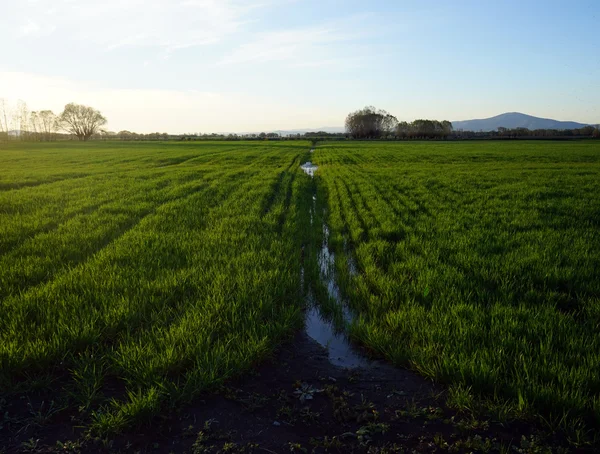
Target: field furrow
{"x": 164, "y": 253}
{"x": 476, "y": 264}
{"x": 136, "y": 276}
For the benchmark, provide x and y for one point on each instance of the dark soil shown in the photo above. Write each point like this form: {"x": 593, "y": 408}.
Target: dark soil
{"x": 297, "y": 402}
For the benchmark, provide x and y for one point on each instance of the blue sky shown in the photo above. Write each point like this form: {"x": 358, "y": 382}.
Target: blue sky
{"x": 233, "y": 65}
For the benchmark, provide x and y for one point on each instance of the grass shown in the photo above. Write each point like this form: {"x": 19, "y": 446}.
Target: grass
{"x": 478, "y": 266}
{"x": 155, "y": 270}
{"x": 136, "y": 276}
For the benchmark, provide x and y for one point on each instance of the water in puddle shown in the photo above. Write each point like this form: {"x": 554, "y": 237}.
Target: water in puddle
{"x": 326, "y": 260}
{"x": 339, "y": 350}
{"x": 352, "y": 266}
{"x": 309, "y": 168}
{"x": 319, "y": 328}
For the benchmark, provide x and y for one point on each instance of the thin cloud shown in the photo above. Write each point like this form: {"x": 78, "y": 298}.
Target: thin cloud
{"x": 110, "y": 24}
{"x": 31, "y": 28}
{"x": 281, "y": 45}
{"x": 312, "y": 46}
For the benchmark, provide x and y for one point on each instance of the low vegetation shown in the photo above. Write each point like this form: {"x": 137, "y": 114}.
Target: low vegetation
{"x": 477, "y": 266}
{"x": 140, "y": 276}
{"x": 136, "y": 276}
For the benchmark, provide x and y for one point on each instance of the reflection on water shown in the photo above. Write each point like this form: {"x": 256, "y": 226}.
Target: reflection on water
{"x": 352, "y": 266}
{"x": 318, "y": 327}
{"x": 309, "y": 168}
{"x": 339, "y": 350}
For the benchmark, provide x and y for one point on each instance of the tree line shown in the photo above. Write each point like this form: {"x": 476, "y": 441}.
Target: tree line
{"x": 19, "y": 123}
{"x": 373, "y": 123}
{"x": 524, "y": 133}
{"x": 134, "y": 136}
{"x": 85, "y": 123}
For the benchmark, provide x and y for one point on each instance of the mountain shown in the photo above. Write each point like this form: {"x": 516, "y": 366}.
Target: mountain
{"x": 514, "y": 120}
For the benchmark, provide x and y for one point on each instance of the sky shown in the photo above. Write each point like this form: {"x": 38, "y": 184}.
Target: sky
{"x": 183, "y": 66}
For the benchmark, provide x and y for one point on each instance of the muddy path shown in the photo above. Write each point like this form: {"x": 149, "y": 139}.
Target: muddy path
{"x": 299, "y": 402}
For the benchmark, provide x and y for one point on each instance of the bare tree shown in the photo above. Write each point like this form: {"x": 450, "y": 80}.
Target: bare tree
{"x": 82, "y": 121}
{"x": 370, "y": 123}
{"x": 43, "y": 125}
{"x": 3, "y": 119}
{"x": 49, "y": 124}
{"x": 34, "y": 126}
{"x": 21, "y": 119}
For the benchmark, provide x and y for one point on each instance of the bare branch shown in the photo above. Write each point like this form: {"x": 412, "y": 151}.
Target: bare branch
{"x": 82, "y": 121}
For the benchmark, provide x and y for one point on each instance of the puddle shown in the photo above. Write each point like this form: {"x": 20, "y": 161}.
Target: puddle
{"x": 309, "y": 168}
{"x": 313, "y": 209}
{"x": 326, "y": 260}
{"x": 340, "y": 351}
{"x": 352, "y": 266}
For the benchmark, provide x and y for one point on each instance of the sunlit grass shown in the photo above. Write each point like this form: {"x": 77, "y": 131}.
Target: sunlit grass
{"x": 166, "y": 268}
{"x": 478, "y": 265}
{"x": 136, "y": 276}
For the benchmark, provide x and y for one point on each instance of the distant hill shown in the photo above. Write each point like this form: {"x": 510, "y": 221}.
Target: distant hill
{"x": 514, "y": 120}
{"x": 329, "y": 129}
{"x": 287, "y": 132}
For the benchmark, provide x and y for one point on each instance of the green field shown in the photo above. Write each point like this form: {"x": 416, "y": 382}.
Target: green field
{"x": 478, "y": 266}
{"x": 139, "y": 275}
{"x": 167, "y": 268}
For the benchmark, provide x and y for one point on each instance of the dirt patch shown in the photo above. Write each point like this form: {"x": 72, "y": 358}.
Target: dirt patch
{"x": 298, "y": 402}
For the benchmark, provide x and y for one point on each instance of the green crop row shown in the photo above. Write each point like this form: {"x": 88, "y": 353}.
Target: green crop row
{"x": 135, "y": 276}
{"x": 165, "y": 270}
{"x": 479, "y": 265}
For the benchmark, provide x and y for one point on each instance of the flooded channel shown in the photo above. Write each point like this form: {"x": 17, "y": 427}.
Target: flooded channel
{"x": 317, "y": 326}
{"x": 339, "y": 350}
